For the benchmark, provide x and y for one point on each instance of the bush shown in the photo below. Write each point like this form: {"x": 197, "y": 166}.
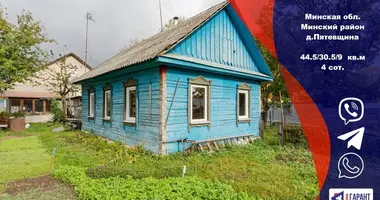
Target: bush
{"x": 148, "y": 188}
{"x": 136, "y": 171}
{"x": 56, "y": 109}
{"x": 115, "y": 150}
{"x": 294, "y": 134}
{"x": 18, "y": 115}
{"x": 4, "y": 114}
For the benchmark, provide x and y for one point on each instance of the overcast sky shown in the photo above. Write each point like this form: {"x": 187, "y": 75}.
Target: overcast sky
{"x": 117, "y": 22}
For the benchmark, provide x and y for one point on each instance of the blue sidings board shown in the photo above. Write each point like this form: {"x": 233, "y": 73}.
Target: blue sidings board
{"x": 146, "y": 131}
{"x": 223, "y": 108}
{"x": 218, "y": 41}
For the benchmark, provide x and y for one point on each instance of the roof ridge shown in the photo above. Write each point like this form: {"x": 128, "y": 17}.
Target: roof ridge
{"x": 155, "y": 45}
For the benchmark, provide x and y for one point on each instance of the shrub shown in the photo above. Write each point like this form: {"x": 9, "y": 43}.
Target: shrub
{"x": 4, "y": 114}
{"x": 136, "y": 171}
{"x": 115, "y": 150}
{"x": 148, "y": 188}
{"x": 294, "y": 134}
{"x": 18, "y": 115}
{"x": 56, "y": 109}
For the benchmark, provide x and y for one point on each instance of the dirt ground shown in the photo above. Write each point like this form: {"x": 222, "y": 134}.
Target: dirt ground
{"x": 40, "y": 187}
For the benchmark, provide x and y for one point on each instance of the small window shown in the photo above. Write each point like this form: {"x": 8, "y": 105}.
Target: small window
{"x": 91, "y": 104}
{"x": 131, "y": 106}
{"x": 107, "y": 105}
{"x": 243, "y": 105}
{"x": 199, "y": 102}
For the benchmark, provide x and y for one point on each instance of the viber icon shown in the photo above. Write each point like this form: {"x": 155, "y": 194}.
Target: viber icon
{"x": 351, "y": 110}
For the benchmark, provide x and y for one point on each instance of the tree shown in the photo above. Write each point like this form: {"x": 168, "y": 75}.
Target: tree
{"x": 270, "y": 91}
{"x": 20, "y": 53}
{"x": 171, "y": 22}
{"x": 58, "y": 79}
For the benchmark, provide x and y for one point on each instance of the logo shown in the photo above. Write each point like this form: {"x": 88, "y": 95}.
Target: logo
{"x": 351, "y": 194}
{"x": 350, "y": 166}
{"x": 356, "y": 138}
{"x": 351, "y": 110}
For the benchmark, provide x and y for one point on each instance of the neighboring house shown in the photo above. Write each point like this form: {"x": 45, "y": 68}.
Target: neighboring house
{"x": 199, "y": 80}
{"x": 34, "y": 99}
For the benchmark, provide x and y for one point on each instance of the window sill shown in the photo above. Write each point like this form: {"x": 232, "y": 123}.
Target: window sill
{"x": 106, "y": 119}
{"x": 244, "y": 120}
{"x": 205, "y": 123}
{"x": 129, "y": 123}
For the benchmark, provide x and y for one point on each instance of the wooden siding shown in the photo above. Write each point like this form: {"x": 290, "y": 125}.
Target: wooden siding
{"x": 146, "y": 131}
{"x": 218, "y": 41}
{"x": 223, "y": 108}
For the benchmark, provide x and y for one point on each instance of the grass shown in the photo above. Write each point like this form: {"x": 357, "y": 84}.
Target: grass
{"x": 263, "y": 169}
{"x": 22, "y": 158}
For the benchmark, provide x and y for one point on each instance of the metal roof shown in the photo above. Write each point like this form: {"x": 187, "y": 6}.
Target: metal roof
{"x": 154, "y": 46}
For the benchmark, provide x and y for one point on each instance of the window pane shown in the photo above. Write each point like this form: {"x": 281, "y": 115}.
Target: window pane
{"x": 108, "y": 102}
{"x": 14, "y": 105}
{"x": 48, "y": 105}
{"x": 132, "y": 103}
{"x": 199, "y": 102}
{"x": 91, "y": 104}
{"x": 242, "y": 104}
{"x": 39, "y": 106}
{"x": 28, "y": 105}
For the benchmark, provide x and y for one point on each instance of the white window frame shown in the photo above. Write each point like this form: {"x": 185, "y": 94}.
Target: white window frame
{"x": 92, "y": 104}
{"x": 128, "y": 118}
{"x": 204, "y": 120}
{"x": 246, "y": 116}
{"x": 105, "y": 104}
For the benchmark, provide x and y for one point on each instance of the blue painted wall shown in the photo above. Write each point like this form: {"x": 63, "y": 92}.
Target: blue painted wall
{"x": 146, "y": 131}
{"x": 218, "y": 41}
{"x": 223, "y": 108}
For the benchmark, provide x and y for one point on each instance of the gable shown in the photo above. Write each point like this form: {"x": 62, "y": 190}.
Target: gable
{"x": 219, "y": 41}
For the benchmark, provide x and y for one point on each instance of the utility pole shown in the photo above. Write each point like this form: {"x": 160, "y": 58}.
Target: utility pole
{"x": 162, "y": 25}
{"x": 88, "y": 17}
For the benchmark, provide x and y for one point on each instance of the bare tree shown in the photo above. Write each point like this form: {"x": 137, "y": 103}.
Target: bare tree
{"x": 58, "y": 79}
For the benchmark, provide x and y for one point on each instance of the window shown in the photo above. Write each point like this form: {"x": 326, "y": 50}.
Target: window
{"x": 243, "y": 102}
{"x": 199, "y": 101}
{"x": 91, "y": 103}
{"x": 39, "y": 106}
{"x": 130, "y": 102}
{"x": 130, "y": 105}
{"x": 107, "y": 103}
{"x": 48, "y": 105}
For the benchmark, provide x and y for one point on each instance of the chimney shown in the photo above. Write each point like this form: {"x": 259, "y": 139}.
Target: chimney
{"x": 175, "y": 20}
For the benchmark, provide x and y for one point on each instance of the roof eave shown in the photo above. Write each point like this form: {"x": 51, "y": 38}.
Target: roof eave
{"x": 197, "y": 64}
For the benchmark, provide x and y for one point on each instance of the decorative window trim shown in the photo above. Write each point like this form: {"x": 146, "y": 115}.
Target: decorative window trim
{"x": 107, "y": 88}
{"x": 200, "y": 82}
{"x": 243, "y": 88}
{"x": 130, "y": 84}
{"x": 90, "y": 91}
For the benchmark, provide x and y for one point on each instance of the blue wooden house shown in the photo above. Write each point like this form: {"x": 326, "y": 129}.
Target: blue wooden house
{"x": 197, "y": 81}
